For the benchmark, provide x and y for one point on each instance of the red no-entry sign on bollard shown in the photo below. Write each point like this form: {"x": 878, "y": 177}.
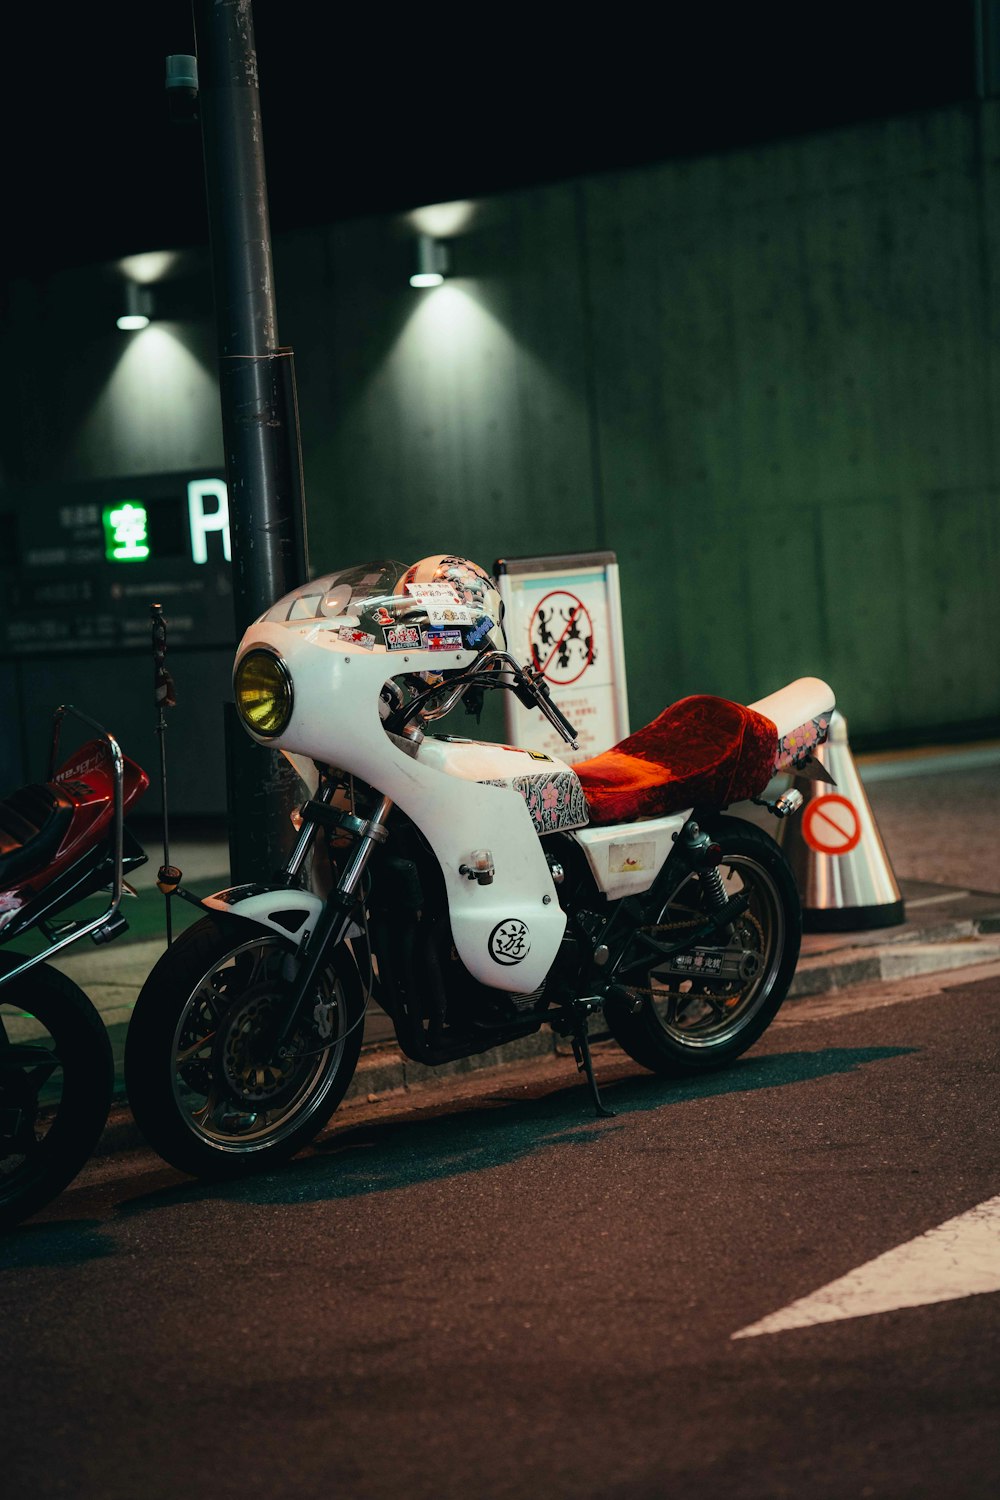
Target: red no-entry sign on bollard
{"x": 830, "y": 825}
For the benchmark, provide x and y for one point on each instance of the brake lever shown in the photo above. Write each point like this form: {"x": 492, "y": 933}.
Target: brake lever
{"x": 543, "y": 698}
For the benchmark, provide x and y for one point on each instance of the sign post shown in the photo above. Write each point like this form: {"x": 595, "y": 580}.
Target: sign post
{"x": 563, "y": 614}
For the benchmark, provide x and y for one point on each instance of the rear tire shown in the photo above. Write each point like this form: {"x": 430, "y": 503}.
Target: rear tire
{"x": 694, "y": 1025}
{"x": 203, "y": 1087}
{"x": 54, "y": 1100}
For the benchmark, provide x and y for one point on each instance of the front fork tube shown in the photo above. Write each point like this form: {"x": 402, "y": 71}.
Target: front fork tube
{"x": 334, "y": 921}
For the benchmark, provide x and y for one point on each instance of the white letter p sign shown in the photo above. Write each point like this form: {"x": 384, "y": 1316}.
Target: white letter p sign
{"x": 201, "y": 522}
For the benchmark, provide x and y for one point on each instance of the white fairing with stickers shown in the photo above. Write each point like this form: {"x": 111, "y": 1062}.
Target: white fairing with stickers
{"x": 339, "y": 640}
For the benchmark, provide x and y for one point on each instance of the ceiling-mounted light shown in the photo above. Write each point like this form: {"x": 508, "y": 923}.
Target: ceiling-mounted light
{"x": 432, "y": 262}
{"x": 138, "y": 308}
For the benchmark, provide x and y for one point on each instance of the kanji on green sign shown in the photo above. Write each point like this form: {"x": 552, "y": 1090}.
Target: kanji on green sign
{"x": 125, "y": 537}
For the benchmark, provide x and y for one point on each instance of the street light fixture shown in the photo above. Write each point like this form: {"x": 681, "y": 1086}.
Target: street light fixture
{"x": 138, "y": 308}
{"x": 432, "y": 264}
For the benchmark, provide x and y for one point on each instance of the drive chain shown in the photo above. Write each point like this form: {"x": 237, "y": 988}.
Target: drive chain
{"x": 730, "y": 1001}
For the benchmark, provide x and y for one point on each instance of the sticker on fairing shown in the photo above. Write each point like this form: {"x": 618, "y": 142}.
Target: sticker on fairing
{"x": 452, "y": 614}
{"x": 356, "y": 637}
{"x": 631, "y": 859}
{"x": 510, "y": 941}
{"x": 441, "y": 640}
{"x": 425, "y": 593}
{"x": 402, "y": 638}
{"x": 479, "y": 631}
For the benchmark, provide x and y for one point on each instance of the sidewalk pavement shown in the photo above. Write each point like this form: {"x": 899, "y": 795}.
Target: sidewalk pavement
{"x": 939, "y": 816}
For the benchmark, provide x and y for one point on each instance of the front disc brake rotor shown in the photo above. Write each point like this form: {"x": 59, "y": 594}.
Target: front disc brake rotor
{"x": 246, "y": 1060}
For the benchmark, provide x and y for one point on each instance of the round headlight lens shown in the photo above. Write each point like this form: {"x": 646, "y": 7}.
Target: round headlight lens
{"x": 263, "y": 691}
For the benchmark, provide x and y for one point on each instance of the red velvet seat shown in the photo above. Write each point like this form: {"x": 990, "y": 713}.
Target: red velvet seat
{"x": 698, "y": 750}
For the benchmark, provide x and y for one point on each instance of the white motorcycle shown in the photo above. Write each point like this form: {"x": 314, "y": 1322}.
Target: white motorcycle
{"x": 476, "y": 890}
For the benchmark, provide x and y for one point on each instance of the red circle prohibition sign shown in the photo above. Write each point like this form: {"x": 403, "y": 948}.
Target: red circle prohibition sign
{"x": 830, "y": 825}
{"x": 550, "y": 646}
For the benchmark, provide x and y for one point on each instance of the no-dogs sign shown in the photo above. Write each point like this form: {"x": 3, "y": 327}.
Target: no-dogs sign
{"x": 563, "y": 616}
{"x": 561, "y": 633}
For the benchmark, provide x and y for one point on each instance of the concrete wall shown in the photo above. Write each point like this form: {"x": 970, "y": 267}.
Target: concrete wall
{"x": 767, "y": 380}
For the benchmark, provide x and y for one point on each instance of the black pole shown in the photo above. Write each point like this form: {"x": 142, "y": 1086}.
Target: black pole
{"x": 259, "y": 410}
{"x": 163, "y": 698}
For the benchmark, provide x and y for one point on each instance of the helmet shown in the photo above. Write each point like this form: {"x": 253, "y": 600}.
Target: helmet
{"x": 457, "y": 596}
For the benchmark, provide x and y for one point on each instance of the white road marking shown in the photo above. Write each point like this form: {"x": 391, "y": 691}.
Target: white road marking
{"x": 935, "y": 900}
{"x": 872, "y": 994}
{"x": 960, "y": 1258}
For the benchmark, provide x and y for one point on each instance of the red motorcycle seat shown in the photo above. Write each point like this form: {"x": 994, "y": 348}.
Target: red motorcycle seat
{"x": 699, "y": 750}
{"x": 32, "y": 823}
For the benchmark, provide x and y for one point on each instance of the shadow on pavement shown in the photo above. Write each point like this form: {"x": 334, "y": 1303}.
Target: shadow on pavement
{"x": 385, "y": 1156}
{"x": 412, "y": 1148}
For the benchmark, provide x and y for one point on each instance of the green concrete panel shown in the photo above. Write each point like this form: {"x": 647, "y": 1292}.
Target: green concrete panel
{"x": 951, "y": 606}
{"x": 457, "y": 418}
{"x": 791, "y": 335}
{"x": 786, "y": 613}
{"x": 868, "y": 658}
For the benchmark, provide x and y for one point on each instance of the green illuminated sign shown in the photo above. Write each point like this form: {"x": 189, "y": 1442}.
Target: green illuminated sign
{"x": 125, "y": 537}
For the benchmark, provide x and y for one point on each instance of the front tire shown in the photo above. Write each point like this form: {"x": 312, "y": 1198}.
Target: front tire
{"x": 690, "y": 1025}
{"x": 203, "y": 1087}
{"x": 56, "y": 1080}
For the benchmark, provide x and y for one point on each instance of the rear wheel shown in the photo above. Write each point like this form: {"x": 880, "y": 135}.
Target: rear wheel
{"x": 56, "y": 1081}
{"x": 206, "y": 1086}
{"x": 704, "y": 1006}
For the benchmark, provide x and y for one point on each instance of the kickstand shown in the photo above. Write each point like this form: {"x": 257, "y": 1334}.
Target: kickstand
{"x": 584, "y": 1064}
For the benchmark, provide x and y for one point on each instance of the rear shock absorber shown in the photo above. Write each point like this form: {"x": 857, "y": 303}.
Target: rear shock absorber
{"x": 704, "y": 855}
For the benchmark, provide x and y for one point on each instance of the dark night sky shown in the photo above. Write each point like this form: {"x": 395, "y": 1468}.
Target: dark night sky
{"x": 381, "y": 110}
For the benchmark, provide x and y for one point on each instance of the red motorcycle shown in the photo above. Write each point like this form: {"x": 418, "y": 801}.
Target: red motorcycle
{"x": 60, "y": 842}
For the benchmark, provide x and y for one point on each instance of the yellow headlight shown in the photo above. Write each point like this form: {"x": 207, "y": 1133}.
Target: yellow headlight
{"x": 263, "y": 691}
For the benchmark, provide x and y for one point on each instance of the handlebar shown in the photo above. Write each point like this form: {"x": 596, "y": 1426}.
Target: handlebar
{"x": 534, "y": 692}
{"x": 528, "y": 684}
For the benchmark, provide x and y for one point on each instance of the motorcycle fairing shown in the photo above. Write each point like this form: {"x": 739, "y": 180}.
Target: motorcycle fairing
{"x": 507, "y": 933}
{"x": 386, "y": 607}
{"x": 53, "y": 836}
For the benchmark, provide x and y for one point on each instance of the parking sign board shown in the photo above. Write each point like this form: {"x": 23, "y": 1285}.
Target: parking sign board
{"x": 563, "y": 615}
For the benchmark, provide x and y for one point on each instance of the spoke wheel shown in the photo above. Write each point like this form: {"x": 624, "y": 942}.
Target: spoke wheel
{"x": 208, "y": 1087}
{"x": 704, "y": 1007}
{"x": 56, "y": 1081}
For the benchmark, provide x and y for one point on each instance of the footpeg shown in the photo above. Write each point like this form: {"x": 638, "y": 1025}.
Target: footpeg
{"x": 630, "y": 1000}
{"x": 109, "y": 930}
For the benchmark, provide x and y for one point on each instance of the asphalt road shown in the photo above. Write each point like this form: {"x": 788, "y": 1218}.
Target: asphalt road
{"x": 494, "y": 1294}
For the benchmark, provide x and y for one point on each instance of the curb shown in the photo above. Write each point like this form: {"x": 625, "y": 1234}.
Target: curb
{"x": 383, "y": 1070}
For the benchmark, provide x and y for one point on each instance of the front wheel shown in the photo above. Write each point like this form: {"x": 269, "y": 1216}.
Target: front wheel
{"x": 702, "y": 1007}
{"x": 206, "y": 1088}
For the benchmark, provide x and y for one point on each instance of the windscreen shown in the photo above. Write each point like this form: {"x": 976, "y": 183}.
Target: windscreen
{"x": 350, "y": 592}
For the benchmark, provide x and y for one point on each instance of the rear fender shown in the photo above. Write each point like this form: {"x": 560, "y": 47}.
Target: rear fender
{"x": 801, "y": 714}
